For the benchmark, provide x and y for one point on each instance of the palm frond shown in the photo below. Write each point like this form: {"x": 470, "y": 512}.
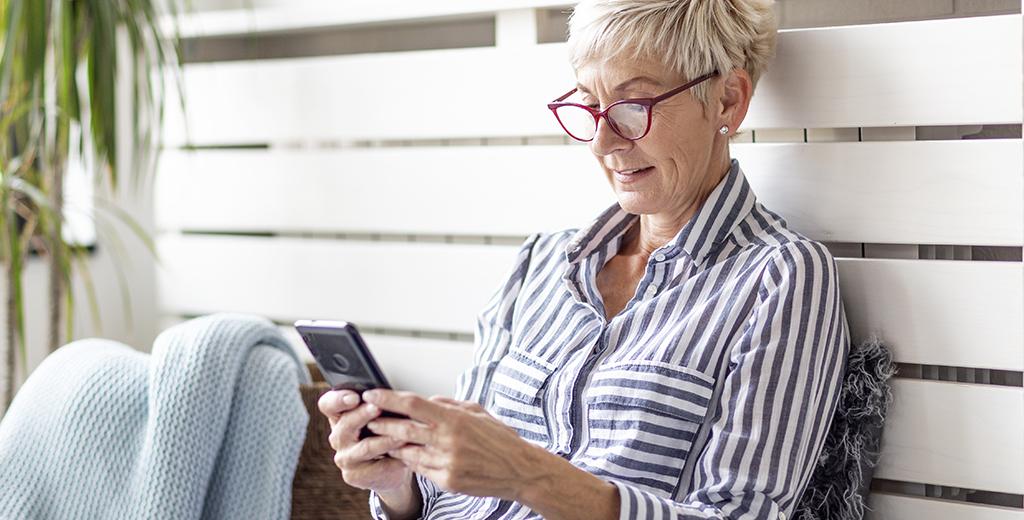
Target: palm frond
{"x": 59, "y": 69}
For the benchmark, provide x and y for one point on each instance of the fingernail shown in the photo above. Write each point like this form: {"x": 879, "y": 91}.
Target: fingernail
{"x": 350, "y": 399}
{"x": 372, "y": 408}
{"x": 371, "y": 396}
{"x": 372, "y": 426}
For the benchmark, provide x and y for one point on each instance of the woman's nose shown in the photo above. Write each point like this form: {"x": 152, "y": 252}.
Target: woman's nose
{"x": 606, "y": 141}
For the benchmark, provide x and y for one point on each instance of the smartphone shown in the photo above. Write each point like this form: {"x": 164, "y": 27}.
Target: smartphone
{"x": 343, "y": 359}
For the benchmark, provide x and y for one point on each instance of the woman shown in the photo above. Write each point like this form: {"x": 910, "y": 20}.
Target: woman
{"x": 680, "y": 357}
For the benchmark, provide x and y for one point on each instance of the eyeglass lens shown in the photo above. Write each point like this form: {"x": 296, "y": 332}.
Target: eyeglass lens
{"x": 627, "y": 119}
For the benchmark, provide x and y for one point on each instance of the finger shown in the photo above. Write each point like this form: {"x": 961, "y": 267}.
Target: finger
{"x": 335, "y": 402}
{"x": 346, "y": 430}
{"x": 407, "y": 403}
{"x": 372, "y": 448}
{"x": 407, "y": 430}
{"x": 419, "y": 457}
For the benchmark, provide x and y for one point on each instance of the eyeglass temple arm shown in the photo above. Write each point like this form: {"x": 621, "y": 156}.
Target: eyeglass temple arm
{"x": 684, "y": 87}
{"x": 659, "y": 98}
{"x": 564, "y": 96}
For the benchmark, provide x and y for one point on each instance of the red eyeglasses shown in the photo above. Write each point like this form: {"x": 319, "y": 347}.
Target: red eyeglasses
{"x": 629, "y": 118}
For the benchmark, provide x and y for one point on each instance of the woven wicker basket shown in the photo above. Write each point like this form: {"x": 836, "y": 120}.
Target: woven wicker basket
{"x": 318, "y": 491}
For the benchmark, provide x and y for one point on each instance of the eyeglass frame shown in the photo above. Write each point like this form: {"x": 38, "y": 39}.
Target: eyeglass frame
{"x": 648, "y": 104}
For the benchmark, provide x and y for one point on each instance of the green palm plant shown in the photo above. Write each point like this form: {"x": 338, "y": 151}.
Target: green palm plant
{"x": 61, "y": 64}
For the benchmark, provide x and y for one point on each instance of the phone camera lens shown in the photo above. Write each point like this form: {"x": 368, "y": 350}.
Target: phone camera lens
{"x": 340, "y": 362}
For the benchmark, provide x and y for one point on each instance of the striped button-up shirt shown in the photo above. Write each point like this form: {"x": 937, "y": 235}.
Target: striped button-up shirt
{"x": 736, "y": 325}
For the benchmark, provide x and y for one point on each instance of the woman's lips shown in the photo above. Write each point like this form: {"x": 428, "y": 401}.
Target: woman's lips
{"x": 626, "y": 178}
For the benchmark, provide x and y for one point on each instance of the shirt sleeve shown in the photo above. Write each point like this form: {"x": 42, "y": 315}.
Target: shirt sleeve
{"x": 491, "y": 336}
{"x": 777, "y": 401}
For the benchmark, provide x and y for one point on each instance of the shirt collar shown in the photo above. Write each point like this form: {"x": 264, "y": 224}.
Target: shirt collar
{"x": 727, "y": 205}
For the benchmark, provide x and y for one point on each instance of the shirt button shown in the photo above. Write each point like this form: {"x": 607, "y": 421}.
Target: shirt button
{"x": 652, "y": 290}
{"x": 782, "y": 515}
{"x": 659, "y": 257}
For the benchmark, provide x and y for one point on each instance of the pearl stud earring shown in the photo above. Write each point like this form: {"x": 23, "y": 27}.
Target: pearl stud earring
{"x": 724, "y": 130}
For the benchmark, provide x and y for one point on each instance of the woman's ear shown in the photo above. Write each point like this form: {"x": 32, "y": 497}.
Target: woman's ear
{"x": 737, "y": 89}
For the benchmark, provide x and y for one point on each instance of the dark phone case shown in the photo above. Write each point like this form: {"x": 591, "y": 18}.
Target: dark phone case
{"x": 365, "y": 359}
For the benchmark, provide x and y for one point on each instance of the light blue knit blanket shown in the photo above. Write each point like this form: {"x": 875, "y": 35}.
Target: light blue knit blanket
{"x": 210, "y": 425}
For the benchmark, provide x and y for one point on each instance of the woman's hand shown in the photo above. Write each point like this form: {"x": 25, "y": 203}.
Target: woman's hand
{"x": 458, "y": 445}
{"x": 363, "y": 463}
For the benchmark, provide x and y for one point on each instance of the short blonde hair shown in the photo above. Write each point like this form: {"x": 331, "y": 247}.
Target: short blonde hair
{"x": 691, "y": 37}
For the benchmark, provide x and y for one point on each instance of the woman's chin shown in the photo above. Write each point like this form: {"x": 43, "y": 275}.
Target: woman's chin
{"x": 636, "y": 203}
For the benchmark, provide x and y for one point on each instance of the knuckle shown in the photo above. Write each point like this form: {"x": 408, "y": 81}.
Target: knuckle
{"x": 369, "y": 411}
{"x": 404, "y": 430}
{"x": 340, "y": 460}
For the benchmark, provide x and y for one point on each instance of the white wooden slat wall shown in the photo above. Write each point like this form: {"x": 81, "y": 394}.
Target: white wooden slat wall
{"x": 321, "y": 220}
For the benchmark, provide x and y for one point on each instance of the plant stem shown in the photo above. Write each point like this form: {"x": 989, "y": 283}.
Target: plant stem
{"x": 57, "y": 287}
{"x": 10, "y": 307}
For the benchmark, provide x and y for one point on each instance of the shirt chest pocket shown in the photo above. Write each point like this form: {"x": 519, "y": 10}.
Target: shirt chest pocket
{"x": 516, "y": 389}
{"x": 642, "y": 418}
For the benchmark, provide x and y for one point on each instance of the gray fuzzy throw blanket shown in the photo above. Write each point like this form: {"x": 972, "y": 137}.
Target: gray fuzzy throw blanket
{"x": 839, "y": 485}
{"x": 209, "y": 425}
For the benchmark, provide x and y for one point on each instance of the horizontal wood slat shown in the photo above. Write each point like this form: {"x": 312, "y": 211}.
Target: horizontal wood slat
{"x": 917, "y": 192}
{"x": 938, "y": 312}
{"x": 888, "y": 506}
{"x": 412, "y": 286}
{"x": 954, "y": 434}
{"x": 476, "y": 190}
{"x": 894, "y": 74}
